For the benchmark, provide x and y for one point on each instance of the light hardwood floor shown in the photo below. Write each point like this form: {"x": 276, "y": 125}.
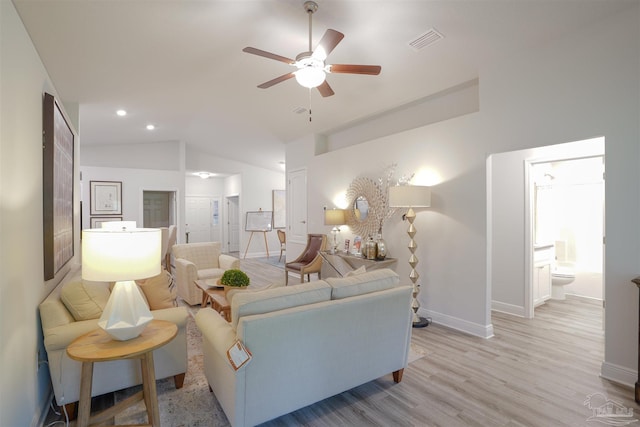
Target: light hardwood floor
{"x": 536, "y": 372}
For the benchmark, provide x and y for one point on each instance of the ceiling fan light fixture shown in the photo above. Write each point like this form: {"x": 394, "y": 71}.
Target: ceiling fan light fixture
{"x": 310, "y": 77}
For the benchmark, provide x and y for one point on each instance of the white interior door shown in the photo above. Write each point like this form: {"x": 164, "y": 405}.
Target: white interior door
{"x": 198, "y": 219}
{"x": 233, "y": 224}
{"x": 297, "y": 206}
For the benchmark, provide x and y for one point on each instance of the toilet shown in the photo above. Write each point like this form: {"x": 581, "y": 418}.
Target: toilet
{"x": 561, "y": 276}
{"x": 562, "y": 272}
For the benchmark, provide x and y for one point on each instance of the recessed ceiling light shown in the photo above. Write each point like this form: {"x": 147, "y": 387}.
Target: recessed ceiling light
{"x": 121, "y": 113}
{"x": 150, "y": 127}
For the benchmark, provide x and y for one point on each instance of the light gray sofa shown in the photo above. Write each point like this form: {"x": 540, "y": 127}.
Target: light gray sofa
{"x": 308, "y": 341}
{"x": 60, "y": 328}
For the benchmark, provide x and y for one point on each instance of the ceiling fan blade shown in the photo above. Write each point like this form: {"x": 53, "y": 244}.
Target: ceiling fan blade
{"x": 275, "y": 81}
{"x": 373, "y": 70}
{"x": 325, "y": 90}
{"x": 328, "y": 42}
{"x": 269, "y": 55}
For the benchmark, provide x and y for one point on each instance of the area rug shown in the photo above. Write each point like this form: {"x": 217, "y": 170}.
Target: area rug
{"x": 272, "y": 260}
{"x": 193, "y": 405}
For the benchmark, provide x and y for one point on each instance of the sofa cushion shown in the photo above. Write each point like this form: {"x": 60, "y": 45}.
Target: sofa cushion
{"x": 279, "y": 298}
{"x": 371, "y": 281}
{"x": 85, "y": 299}
{"x": 159, "y": 291}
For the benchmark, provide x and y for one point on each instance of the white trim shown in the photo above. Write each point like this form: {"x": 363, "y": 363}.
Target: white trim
{"x": 471, "y": 328}
{"x": 512, "y": 309}
{"x": 618, "y": 374}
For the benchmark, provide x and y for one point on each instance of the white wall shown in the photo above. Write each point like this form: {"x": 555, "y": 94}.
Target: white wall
{"x": 134, "y": 182}
{"x": 25, "y": 387}
{"x": 576, "y": 88}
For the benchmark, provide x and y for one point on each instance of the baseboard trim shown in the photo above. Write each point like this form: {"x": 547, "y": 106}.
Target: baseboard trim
{"x": 618, "y": 374}
{"x": 503, "y": 307}
{"x": 471, "y": 328}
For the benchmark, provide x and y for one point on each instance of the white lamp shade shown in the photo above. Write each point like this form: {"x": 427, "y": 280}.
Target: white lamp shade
{"x": 334, "y": 217}
{"x": 119, "y": 225}
{"x": 111, "y": 256}
{"x": 409, "y": 196}
{"x": 122, "y": 256}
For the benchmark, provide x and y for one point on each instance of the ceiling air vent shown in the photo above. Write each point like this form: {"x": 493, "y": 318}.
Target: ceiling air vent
{"x": 299, "y": 110}
{"x": 426, "y": 39}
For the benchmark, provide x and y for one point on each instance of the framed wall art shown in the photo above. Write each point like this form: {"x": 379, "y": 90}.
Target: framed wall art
{"x": 57, "y": 182}
{"x": 96, "y": 221}
{"x": 106, "y": 198}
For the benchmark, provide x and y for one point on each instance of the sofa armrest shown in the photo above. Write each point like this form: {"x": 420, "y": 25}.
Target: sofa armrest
{"x": 228, "y": 262}
{"x": 216, "y": 332}
{"x": 177, "y": 315}
{"x": 186, "y": 275}
{"x": 60, "y": 337}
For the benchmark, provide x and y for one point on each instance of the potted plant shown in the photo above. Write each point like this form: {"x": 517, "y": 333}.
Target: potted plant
{"x": 234, "y": 279}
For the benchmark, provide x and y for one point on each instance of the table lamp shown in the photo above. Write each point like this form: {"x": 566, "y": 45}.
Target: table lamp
{"x": 122, "y": 256}
{"x": 335, "y": 217}
{"x": 412, "y": 196}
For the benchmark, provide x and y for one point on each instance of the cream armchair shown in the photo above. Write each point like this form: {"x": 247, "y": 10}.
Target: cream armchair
{"x": 195, "y": 261}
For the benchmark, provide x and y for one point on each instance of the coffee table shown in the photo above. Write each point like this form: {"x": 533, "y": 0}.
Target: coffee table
{"x": 98, "y": 346}
{"x": 215, "y": 294}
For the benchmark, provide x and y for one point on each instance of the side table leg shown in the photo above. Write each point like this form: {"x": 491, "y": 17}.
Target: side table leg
{"x": 84, "y": 405}
{"x": 149, "y": 389}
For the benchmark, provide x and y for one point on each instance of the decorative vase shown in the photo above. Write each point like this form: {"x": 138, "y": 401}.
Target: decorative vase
{"x": 381, "y": 246}
{"x": 370, "y": 248}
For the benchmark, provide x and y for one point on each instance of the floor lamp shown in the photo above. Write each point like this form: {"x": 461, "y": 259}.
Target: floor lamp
{"x": 412, "y": 196}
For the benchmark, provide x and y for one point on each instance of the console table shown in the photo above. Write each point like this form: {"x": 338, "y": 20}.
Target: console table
{"x": 340, "y": 263}
{"x": 98, "y": 346}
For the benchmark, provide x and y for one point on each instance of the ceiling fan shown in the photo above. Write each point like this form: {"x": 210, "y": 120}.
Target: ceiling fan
{"x": 311, "y": 68}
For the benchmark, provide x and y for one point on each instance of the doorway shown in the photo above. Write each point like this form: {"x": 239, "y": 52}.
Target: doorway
{"x": 511, "y": 264}
{"x": 233, "y": 224}
{"x": 159, "y": 208}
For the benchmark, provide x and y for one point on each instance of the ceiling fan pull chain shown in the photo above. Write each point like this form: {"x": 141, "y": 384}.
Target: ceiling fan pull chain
{"x": 309, "y": 105}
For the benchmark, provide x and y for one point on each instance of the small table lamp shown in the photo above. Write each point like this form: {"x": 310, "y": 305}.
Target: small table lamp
{"x": 335, "y": 217}
{"x": 122, "y": 256}
{"x": 412, "y": 196}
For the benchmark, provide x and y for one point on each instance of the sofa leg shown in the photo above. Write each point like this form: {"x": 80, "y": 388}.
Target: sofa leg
{"x": 397, "y": 375}
{"x": 178, "y": 380}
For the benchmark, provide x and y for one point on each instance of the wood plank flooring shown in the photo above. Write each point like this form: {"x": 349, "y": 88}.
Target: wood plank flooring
{"x": 536, "y": 372}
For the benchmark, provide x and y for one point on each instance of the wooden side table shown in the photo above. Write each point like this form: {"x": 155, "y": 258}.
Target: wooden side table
{"x": 98, "y": 346}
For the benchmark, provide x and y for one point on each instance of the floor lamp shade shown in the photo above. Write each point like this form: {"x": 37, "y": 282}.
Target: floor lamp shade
{"x": 122, "y": 257}
{"x": 412, "y": 196}
{"x": 409, "y": 196}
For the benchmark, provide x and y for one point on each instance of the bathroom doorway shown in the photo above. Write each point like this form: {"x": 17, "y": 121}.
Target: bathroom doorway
{"x": 567, "y": 227}
{"x": 512, "y": 266}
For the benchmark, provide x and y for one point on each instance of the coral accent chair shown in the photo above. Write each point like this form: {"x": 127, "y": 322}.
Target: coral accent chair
{"x": 310, "y": 261}
{"x": 195, "y": 261}
{"x": 283, "y": 243}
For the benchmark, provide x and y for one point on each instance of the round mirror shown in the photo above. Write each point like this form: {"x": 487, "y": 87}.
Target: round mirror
{"x": 365, "y": 202}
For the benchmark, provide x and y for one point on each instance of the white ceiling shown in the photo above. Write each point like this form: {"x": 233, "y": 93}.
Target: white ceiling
{"x": 179, "y": 63}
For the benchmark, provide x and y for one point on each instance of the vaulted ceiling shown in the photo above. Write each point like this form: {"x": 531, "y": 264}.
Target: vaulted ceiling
{"x": 179, "y": 64}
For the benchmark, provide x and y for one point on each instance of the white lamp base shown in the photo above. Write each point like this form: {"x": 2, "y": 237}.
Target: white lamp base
{"x": 126, "y": 314}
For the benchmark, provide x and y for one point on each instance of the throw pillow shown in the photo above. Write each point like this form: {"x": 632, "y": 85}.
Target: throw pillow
{"x": 357, "y": 271}
{"x": 84, "y": 299}
{"x": 159, "y": 291}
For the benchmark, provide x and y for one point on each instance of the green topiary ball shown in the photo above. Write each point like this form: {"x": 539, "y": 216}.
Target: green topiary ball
{"x": 236, "y": 278}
